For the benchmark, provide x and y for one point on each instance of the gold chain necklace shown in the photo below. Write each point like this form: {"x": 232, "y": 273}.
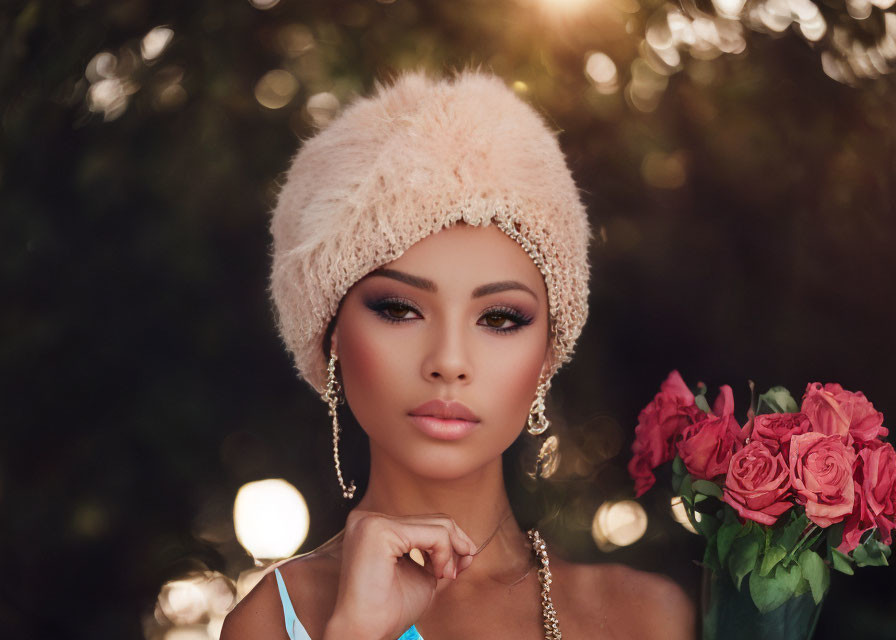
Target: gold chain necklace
{"x": 548, "y": 613}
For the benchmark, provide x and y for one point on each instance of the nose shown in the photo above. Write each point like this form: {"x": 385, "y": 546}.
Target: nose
{"x": 447, "y": 355}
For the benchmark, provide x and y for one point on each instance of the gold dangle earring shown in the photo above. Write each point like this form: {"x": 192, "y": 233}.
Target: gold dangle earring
{"x": 538, "y": 423}
{"x": 548, "y": 455}
{"x": 331, "y": 397}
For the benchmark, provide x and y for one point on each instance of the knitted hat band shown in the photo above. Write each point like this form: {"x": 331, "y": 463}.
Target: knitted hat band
{"x": 394, "y": 168}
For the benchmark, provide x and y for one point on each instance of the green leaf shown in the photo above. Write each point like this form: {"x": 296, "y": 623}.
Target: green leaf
{"x": 726, "y": 535}
{"x": 678, "y": 467}
{"x": 790, "y": 533}
{"x": 816, "y": 572}
{"x": 746, "y": 529}
{"x": 708, "y": 525}
{"x": 708, "y": 488}
{"x": 777, "y": 400}
{"x": 802, "y": 586}
{"x": 842, "y": 562}
{"x": 686, "y": 490}
{"x": 710, "y": 556}
{"x": 773, "y": 556}
{"x": 835, "y": 534}
{"x": 742, "y": 558}
{"x": 872, "y": 553}
{"x": 701, "y": 402}
{"x": 770, "y": 592}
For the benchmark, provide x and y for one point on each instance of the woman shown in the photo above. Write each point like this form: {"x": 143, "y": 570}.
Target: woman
{"x": 430, "y": 260}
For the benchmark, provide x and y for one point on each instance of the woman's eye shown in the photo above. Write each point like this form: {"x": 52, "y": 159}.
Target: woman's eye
{"x": 393, "y": 310}
{"x": 397, "y": 310}
{"x": 496, "y": 320}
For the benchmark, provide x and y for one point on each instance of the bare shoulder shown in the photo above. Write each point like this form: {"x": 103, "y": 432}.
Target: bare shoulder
{"x": 258, "y": 615}
{"x": 631, "y": 603}
{"x": 311, "y": 581}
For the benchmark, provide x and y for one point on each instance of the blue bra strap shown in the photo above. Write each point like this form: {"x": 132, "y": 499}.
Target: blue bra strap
{"x": 411, "y": 634}
{"x": 294, "y": 628}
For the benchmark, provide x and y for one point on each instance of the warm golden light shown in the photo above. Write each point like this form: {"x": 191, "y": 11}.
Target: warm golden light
{"x": 276, "y": 89}
{"x": 322, "y": 107}
{"x": 729, "y": 8}
{"x": 681, "y": 517}
{"x": 565, "y": 6}
{"x": 155, "y": 42}
{"x": 663, "y": 170}
{"x": 264, "y": 4}
{"x": 271, "y": 518}
{"x": 189, "y": 602}
{"x": 601, "y": 70}
{"x": 618, "y": 524}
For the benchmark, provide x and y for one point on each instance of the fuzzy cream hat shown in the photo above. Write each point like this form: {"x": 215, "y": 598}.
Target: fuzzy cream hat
{"x": 415, "y": 157}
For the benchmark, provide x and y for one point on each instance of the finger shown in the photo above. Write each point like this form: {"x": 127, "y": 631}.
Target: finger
{"x": 434, "y": 539}
{"x": 462, "y": 543}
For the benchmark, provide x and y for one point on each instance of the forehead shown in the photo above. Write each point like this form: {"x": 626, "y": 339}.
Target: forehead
{"x": 470, "y": 253}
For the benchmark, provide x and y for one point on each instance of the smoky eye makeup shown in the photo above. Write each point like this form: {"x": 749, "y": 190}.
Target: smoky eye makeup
{"x": 391, "y": 308}
{"x": 396, "y": 309}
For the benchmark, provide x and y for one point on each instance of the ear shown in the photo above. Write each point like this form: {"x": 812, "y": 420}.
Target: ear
{"x": 334, "y": 340}
{"x": 549, "y": 359}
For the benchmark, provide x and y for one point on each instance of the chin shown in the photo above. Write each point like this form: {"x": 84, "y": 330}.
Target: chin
{"x": 447, "y": 466}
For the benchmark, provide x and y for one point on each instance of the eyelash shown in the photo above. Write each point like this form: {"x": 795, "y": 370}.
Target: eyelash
{"x": 508, "y": 313}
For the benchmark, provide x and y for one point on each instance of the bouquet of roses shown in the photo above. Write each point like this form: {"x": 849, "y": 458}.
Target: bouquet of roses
{"x": 793, "y": 492}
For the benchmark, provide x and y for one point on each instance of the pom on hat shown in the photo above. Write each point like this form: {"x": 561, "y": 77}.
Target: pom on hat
{"x": 415, "y": 157}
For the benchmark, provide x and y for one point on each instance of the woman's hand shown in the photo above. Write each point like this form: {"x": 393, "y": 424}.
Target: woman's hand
{"x": 381, "y": 590}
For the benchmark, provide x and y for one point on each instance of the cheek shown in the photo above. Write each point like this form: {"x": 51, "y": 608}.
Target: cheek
{"x": 509, "y": 371}
{"x": 368, "y": 370}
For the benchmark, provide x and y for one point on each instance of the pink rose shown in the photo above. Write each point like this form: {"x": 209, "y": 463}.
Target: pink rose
{"x": 860, "y": 519}
{"x": 832, "y": 410}
{"x": 879, "y": 486}
{"x": 776, "y": 429}
{"x": 642, "y": 473}
{"x": 724, "y": 404}
{"x": 659, "y": 424}
{"x": 821, "y": 469}
{"x": 706, "y": 446}
{"x": 758, "y": 483}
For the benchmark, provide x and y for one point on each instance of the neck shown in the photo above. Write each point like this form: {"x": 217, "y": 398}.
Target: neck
{"x": 477, "y": 502}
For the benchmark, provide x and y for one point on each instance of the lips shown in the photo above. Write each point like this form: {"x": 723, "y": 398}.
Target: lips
{"x": 445, "y": 410}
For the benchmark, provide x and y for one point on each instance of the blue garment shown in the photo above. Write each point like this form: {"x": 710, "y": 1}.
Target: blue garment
{"x": 294, "y": 627}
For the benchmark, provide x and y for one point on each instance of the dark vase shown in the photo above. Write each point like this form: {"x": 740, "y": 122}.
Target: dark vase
{"x": 729, "y": 613}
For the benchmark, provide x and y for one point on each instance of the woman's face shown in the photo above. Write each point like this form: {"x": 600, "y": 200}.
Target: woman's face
{"x": 427, "y": 326}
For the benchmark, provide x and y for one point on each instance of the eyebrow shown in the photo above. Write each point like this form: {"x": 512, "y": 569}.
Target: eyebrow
{"x": 429, "y": 285}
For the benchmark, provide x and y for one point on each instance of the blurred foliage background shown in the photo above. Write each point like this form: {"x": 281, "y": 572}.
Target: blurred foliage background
{"x": 737, "y": 160}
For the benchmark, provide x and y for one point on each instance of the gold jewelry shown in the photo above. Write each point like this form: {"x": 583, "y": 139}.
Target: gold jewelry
{"x": 538, "y": 423}
{"x": 548, "y": 613}
{"x": 548, "y": 459}
{"x": 331, "y": 397}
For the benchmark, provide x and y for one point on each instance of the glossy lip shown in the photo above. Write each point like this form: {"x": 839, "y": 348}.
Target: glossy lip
{"x": 444, "y": 420}
{"x": 446, "y": 410}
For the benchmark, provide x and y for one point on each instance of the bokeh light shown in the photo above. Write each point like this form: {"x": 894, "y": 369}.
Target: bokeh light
{"x": 193, "y": 606}
{"x": 601, "y": 70}
{"x": 155, "y": 42}
{"x": 276, "y": 89}
{"x": 264, "y": 5}
{"x": 618, "y": 524}
{"x": 681, "y": 516}
{"x": 322, "y": 108}
{"x": 270, "y": 518}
